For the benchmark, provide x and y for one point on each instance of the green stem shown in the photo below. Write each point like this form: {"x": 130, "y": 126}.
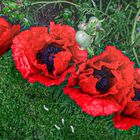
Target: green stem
{"x": 136, "y": 57}
{"x": 90, "y": 51}
{"x": 52, "y": 2}
{"x": 133, "y": 38}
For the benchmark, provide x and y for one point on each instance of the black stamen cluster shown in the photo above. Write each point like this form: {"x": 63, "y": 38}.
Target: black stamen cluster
{"x": 137, "y": 95}
{"x": 46, "y": 56}
{"x": 104, "y": 76}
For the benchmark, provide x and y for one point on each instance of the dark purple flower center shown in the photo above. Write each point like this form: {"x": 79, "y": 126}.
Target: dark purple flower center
{"x": 46, "y": 56}
{"x": 137, "y": 95}
{"x": 104, "y": 82}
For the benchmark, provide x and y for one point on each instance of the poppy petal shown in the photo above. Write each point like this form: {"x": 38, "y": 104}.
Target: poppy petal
{"x": 124, "y": 122}
{"x": 7, "y": 33}
{"x": 60, "y": 65}
{"x": 93, "y": 106}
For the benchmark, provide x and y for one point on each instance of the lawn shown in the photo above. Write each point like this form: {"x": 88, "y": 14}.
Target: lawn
{"x": 36, "y": 112}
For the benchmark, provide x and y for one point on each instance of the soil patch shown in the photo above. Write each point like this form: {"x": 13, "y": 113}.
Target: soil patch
{"x": 43, "y": 16}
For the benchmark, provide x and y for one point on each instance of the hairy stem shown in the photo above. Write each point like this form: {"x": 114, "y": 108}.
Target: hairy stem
{"x": 54, "y": 2}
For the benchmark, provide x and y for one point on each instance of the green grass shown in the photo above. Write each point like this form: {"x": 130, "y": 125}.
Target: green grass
{"x": 22, "y": 116}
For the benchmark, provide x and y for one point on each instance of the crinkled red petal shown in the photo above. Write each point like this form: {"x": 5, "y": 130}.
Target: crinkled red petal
{"x": 132, "y": 108}
{"x": 48, "y": 81}
{"x": 7, "y": 35}
{"x": 62, "y": 33}
{"x": 78, "y": 55}
{"x": 65, "y": 35}
{"x": 3, "y": 22}
{"x": 111, "y": 58}
{"x": 25, "y": 47}
{"x": 137, "y": 78}
{"x": 124, "y": 96}
{"x": 61, "y": 62}
{"x": 93, "y": 106}
{"x": 88, "y": 85}
{"x": 125, "y": 122}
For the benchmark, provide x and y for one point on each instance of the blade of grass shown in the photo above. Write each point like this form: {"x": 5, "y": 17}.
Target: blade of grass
{"x": 108, "y": 6}
{"x": 133, "y": 38}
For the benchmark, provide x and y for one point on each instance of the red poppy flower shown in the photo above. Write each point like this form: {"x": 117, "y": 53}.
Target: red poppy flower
{"x": 130, "y": 116}
{"x": 44, "y": 55}
{"x": 7, "y": 32}
{"x": 102, "y": 84}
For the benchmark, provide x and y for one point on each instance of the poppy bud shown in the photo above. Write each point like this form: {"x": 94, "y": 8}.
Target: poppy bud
{"x": 94, "y": 24}
{"x": 82, "y": 26}
{"x": 93, "y": 19}
{"x": 83, "y": 39}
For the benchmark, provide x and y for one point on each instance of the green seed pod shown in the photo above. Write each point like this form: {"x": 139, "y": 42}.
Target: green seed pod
{"x": 82, "y": 26}
{"x": 93, "y": 25}
{"x": 93, "y": 19}
{"x": 98, "y": 26}
{"x": 83, "y": 39}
